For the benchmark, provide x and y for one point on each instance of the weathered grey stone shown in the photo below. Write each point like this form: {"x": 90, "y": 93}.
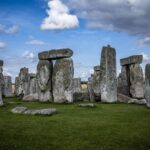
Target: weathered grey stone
{"x": 63, "y": 80}
{"x": 44, "y": 80}
{"x": 122, "y": 98}
{"x": 31, "y": 97}
{"x": 136, "y": 101}
{"x": 1, "y": 82}
{"x": 55, "y": 54}
{"x": 136, "y": 59}
{"x": 123, "y": 82}
{"x": 87, "y": 105}
{"x": 77, "y": 85}
{"x": 17, "y": 86}
{"x": 81, "y": 96}
{"x": 108, "y": 79}
{"x": 90, "y": 89}
{"x": 7, "y": 89}
{"x": 136, "y": 81}
{"x": 24, "y": 110}
{"x": 96, "y": 83}
{"x": 147, "y": 84}
{"x": 46, "y": 112}
{"x": 23, "y": 81}
{"x": 19, "y": 110}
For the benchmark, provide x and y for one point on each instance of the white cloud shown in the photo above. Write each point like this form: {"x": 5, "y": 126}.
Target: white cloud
{"x": 144, "y": 41}
{"x": 2, "y": 45}
{"x": 59, "y": 17}
{"x": 35, "y": 42}
{"x": 28, "y": 54}
{"x": 145, "y": 57}
{"x": 8, "y": 30}
{"x": 6, "y": 72}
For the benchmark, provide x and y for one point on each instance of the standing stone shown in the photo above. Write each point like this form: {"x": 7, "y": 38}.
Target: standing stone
{"x": 17, "y": 86}
{"x": 77, "y": 85}
{"x": 96, "y": 83}
{"x": 33, "y": 89}
{"x": 24, "y": 81}
{"x": 44, "y": 80}
{"x": 147, "y": 83}
{"x": 108, "y": 80}
{"x": 63, "y": 80}
{"x": 7, "y": 90}
{"x": 1, "y": 82}
{"x": 123, "y": 85}
{"x": 90, "y": 89}
{"x": 136, "y": 81}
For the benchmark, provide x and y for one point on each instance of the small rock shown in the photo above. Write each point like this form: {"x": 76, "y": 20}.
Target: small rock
{"x": 122, "y": 98}
{"x": 19, "y": 110}
{"x": 86, "y": 105}
{"x": 136, "y": 101}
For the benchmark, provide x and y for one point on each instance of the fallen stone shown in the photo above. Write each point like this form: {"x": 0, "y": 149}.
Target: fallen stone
{"x": 136, "y": 101}
{"x": 24, "y": 110}
{"x": 108, "y": 77}
{"x": 136, "y": 59}
{"x": 122, "y": 98}
{"x": 55, "y": 54}
{"x": 87, "y": 105}
{"x": 19, "y": 110}
{"x": 47, "y": 112}
{"x": 31, "y": 97}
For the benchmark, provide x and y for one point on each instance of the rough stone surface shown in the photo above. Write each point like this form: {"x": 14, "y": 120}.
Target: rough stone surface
{"x": 136, "y": 81}
{"x": 24, "y": 110}
{"x": 96, "y": 83}
{"x": 87, "y": 105}
{"x": 17, "y": 86}
{"x": 23, "y": 85}
{"x": 90, "y": 89}
{"x": 147, "y": 84}
{"x": 7, "y": 89}
{"x": 136, "y": 101}
{"x": 63, "y": 80}
{"x": 44, "y": 80}
{"x": 55, "y": 54}
{"x": 136, "y": 59}
{"x": 1, "y": 82}
{"x": 108, "y": 79}
{"x": 77, "y": 85}
{"x": 123, "y": 86}
{"x": 19, "y": 110}
{"x": 122, "y": 98}
{"x": 81, "y": 96}
{"x": 31, "y": 97}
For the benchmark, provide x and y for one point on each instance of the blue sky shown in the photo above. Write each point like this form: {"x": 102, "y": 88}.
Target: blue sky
{"x": 26, "y": 28}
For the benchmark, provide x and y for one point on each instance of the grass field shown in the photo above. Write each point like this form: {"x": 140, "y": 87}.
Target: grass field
{"x": 105, "y": 127}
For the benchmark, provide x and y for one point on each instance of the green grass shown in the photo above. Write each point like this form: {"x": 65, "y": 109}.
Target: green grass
{"x": 105, "y": 127}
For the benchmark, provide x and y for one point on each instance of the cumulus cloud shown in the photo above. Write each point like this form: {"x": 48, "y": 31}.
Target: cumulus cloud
{"x": 2, "y": 45}
{"x": 6, "y": 72}
{"x": 145, "y": 57}
{"x": 144, "y": 41}
{"x": 28, "y": 54}
{"x": 59, "y": 17}
{"x": 8, "y": 30}
{"x": 131, "y": 16}
{"x": 35, "y": 42}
